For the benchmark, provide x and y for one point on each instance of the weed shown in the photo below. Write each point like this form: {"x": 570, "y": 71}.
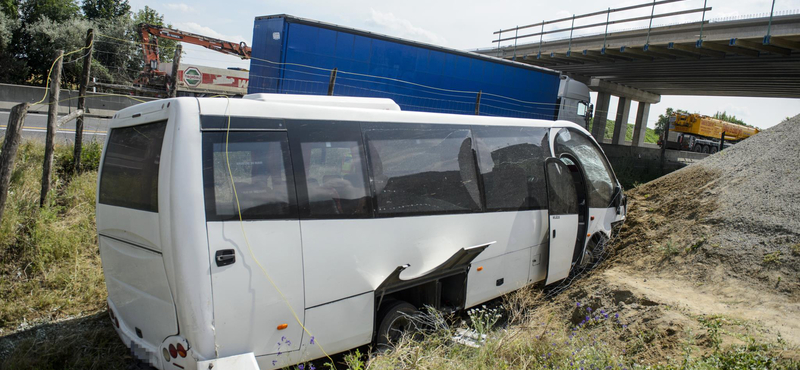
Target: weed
{"x": 713, "y": 325}
{"x": 50, "y": 251}
{"x": 795, "y": 249}
{"x": 699, "y": 243}
{"x": 773, "y": 258}
{"x": 669, "y": 249}
{"x": 354, "y": 361}
{"x": 483, "y": 319}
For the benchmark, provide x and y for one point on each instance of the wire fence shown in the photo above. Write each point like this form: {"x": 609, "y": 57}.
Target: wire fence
{"x": 294, "y": 78}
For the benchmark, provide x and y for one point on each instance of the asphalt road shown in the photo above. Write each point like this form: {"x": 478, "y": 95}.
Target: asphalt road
{"x": 35, "y": 127}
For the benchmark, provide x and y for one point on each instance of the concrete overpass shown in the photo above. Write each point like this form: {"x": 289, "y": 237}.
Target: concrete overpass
{"x": 757, "y": 57}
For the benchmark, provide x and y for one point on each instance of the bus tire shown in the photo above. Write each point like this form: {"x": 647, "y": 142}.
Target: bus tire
{"x": 593, "y": 252}
{"x": 394, "y": 323}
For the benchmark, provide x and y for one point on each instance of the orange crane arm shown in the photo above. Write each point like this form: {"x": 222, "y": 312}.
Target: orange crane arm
{"x": 151, "y": 48}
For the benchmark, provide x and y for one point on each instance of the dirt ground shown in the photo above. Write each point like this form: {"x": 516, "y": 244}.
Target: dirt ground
{"x": 686, "y": 275}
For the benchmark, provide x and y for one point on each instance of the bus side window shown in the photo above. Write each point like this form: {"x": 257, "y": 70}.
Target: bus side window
{"x": 258, "y": 167}
{"x": 598, "y": 171}
{"x": 511, "y": 163}
{"x": 129, "y": 177}
{"x": 328, "y": 161}
{"x": 422, "y": 169}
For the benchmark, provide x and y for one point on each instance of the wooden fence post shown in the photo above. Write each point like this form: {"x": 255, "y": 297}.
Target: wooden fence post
{"x": 87, "y": 65}
{"x": 52, "y": 117}
{"x": 173, "y": 86}
{"x": 9, "y": 153}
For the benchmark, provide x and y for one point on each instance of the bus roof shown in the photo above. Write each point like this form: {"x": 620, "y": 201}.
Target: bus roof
{"x": 311, "y": 107}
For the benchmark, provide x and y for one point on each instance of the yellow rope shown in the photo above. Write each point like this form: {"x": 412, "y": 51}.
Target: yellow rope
{"x": 47, "y": 84}
{"x": 247, "y": 242}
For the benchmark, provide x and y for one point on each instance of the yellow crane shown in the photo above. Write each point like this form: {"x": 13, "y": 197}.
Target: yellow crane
{"x": 700, "y": 133}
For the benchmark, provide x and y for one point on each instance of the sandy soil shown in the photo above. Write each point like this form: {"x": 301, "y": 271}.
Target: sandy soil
{"x": 709, "y": 255}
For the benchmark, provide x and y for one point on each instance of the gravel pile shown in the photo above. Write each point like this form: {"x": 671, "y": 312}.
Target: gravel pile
{"x": 759, "y": 186}
{"x": 735, "y": 214}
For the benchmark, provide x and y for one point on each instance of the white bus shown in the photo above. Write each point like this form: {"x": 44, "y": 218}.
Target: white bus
{"x": 352, "y": 212}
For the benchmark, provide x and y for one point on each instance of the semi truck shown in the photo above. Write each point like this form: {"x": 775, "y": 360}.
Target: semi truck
{"x": 702, "y": 134}
{"x": 301, "y": 56}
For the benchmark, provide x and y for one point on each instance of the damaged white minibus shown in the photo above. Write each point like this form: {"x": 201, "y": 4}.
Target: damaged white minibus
{"x": 276, "y": 229}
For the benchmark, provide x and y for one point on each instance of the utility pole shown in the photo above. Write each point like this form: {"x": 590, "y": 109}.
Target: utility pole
{"x": 9, "y": 153}
{"x": 87, "y": 66}
{"x": 176, "y": 61}
{"x": 664, "y": 148}
{"x": 332, "y": 83}
{"x": 52, "y": 117}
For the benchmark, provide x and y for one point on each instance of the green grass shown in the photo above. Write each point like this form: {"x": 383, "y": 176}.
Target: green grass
{"x": 52, "y": 287}
{"x": 604, "y": 341}
{"x": 773, "y": 258}
{"x": 49, "y": 261}
{"x": 650, "y": 135}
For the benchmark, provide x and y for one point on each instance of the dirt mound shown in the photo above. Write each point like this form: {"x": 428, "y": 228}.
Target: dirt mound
{"x": 734, "y": 215}
{"x": 709, "y": 256}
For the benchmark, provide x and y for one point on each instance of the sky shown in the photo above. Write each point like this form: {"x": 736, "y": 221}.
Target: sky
{"x": 467, "y": 25}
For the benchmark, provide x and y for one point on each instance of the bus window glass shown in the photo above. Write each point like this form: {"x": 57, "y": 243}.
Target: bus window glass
{"x": 511, "y": 163}
{"x": 422, "y": 170}
{"x": 598, "y": 171}
{"x": 561, "y": 193}
{"x": 334, "y": 178}
{"x": 258, "y": 163}
{"x": 130, "y": 168}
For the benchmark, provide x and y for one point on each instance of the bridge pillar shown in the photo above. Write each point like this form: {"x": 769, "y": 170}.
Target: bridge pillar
{"x": 621, "y": 123}
{"x": 640, "y": 127}
{"x": 600, "y": 116}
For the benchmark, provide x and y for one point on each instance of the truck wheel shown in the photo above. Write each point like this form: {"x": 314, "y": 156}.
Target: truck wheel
{"x": 714, "y": 149}
{"x": 705, "y": 149}
{"x": 698, "y": 148}
{"x": 395, "y": 322}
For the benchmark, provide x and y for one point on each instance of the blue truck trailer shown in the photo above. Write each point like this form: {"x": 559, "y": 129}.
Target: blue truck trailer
{"x": 293, "y": 55}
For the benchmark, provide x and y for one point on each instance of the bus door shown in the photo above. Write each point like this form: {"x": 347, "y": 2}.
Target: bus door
{"x": 562, "y": 198}
{"x": 254, "y": 243}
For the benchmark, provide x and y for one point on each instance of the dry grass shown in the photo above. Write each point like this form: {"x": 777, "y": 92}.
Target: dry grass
{"x": 50, "y": 262}
{"x": 51, "y": 283}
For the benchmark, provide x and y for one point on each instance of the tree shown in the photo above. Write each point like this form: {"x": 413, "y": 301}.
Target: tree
{"x": 150, "y": 16}
{"x": 725, "y": 117}
{"x": 123, "y": 60}
{"x": 105, "y": 9}
{"x": 47, "y": 36}
{"x": 12, "y": 68}
{"x": 663, "y": 119}
{"x": 10, "y": 8}
{"x": 7, "y": 27}
{"x": 55, "y": 10}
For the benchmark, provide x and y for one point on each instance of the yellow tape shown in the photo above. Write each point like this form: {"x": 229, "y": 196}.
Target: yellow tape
{"x": 47, "y": 84}
{"x": 247, "y": 242}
